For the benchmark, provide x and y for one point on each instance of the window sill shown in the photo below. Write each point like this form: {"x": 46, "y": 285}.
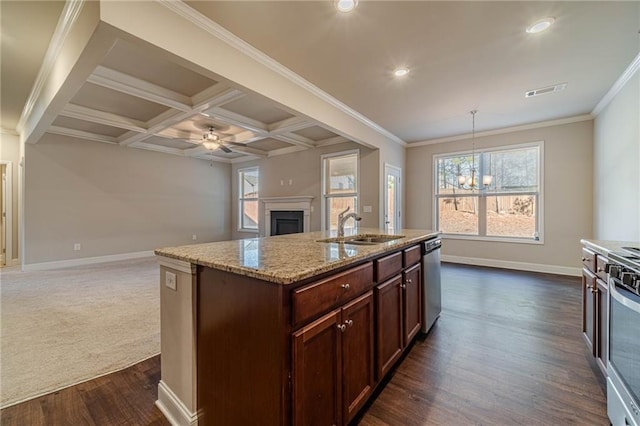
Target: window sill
{"x": 493, "y": 239}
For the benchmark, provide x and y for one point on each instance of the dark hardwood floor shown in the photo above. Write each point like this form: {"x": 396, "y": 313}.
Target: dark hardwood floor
{"x": 507, "y": 350}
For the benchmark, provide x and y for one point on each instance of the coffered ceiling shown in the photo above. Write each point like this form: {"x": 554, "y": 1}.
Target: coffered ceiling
{"x": 461, "y": 56}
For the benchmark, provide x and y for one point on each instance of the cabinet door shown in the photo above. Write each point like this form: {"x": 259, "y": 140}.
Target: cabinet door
{"x": 357, "y": 354}
{"x": 388, "y": 324}
{"x": 317, "y": 372}
{"x": 412, "y": 287}
{"x": 602, "y": 324}
{"x": 589, "y": 309}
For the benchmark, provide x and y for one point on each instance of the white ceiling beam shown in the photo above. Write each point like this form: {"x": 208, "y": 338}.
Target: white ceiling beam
{"x": 331, "y": 141}
{"x": 286, "y": 150}
{"x": 80, "y": 134}
{"x": 248, "y": 150}
{"x": 124, "y": 83}
{"x": 158, "y": 148}
{"x": 237, "y": 120}
{"x": 294, "y": 140}
{"x": 291, "y": 124}
{"x": 101, "y": 117}
{"x": 215, "y": 95}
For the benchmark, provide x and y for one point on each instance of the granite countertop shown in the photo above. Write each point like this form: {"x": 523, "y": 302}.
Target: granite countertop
{"x": 286, "y": 259}
{"x": 605, "y": 247}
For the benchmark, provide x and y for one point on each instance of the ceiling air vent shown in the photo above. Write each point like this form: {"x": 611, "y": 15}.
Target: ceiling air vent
{"x": 545, "y": 90}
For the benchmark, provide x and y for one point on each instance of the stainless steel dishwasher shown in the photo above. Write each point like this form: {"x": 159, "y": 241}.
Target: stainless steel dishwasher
{"x": 431, "y": 294}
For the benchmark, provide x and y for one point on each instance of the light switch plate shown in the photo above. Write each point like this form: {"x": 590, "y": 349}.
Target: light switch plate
{"x": 366, "y": 209}
{"x": 171, "y": 281}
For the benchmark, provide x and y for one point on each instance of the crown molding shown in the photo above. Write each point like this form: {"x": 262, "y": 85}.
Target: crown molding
{"x": 617, "y": 86}
{"x": 242, "y": 46}
{"x": 503, "y": 130}
{"x": 67, "y": 19}
{"x": 5, "y": 131}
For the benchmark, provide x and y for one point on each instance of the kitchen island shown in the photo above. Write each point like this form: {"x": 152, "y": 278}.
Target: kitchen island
{"x": 287, "y": 329}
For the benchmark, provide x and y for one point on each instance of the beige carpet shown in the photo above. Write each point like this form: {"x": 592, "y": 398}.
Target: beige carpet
{"x": 65, "y": 326}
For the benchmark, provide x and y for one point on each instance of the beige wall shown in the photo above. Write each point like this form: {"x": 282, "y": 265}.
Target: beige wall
{"x": 10, "y": 151}
{"x": 304, "y": 168}
{"x": 115, "y": 200}
{"x": 616, "y": 160}
{"x": 568, "y": 179}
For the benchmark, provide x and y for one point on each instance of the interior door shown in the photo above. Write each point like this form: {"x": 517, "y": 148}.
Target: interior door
{"x": 392, "y": 198}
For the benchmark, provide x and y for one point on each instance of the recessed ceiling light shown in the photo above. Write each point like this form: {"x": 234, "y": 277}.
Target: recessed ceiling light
{"x": 346, "y": 5}
{"x": 541, "y": 25}
{"x": 401, "y": 72}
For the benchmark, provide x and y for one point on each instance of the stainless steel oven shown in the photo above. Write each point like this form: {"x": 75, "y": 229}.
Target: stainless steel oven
{"x": 623, "y": 367}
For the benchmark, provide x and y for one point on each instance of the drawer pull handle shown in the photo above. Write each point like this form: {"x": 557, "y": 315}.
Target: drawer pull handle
{"x": 403, "y": 286}
{"x": 349, "y": 323}
{"x": 584, "y": 258}
{"x": 599, "y": 269}
{"x": 409, "y": 281}
{"x": 345, "y": 286}
{"x": 341, "y": 327}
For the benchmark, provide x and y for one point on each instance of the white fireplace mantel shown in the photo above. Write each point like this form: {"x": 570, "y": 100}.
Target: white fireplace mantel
{"x": 290, "y": 203}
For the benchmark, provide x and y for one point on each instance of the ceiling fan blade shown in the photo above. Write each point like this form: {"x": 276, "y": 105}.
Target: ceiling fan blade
{"x": 236, "y": 143}
{"x": 225, "y": 149}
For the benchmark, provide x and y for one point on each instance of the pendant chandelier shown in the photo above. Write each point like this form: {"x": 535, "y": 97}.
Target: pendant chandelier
{"x": 471, "y": 182}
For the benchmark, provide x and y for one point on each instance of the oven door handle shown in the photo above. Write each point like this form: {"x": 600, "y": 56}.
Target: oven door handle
{"x": 635, "y": 306}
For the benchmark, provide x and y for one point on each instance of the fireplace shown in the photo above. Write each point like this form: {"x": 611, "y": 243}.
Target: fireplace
{"x": 285, "y": 208}
{"x": 287, "y": 222}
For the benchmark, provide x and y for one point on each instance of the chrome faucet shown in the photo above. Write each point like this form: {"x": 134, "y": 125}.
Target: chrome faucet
{"x": 342, "y": 219}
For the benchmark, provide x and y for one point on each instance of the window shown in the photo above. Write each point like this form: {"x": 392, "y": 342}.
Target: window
{"x": 339, "y": 187}
{"x": 508, "y": 207}
{"x": 248, "y": 186}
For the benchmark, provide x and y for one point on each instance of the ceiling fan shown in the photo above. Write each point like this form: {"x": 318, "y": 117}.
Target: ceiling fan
{"x": 212, "y": 141}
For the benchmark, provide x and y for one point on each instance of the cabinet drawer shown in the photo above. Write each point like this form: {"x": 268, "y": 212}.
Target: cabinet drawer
{"x": 318, "y": 297}
{"x": 601, "y": 262}
{"x": 388, "y": 266}
{"x": 411, "y": 256}
{"x": 589, "y": 259}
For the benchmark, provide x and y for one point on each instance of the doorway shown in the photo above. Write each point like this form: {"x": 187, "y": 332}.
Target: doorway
{"x": 6, "y": 208}
{"x": 392, "y": 198}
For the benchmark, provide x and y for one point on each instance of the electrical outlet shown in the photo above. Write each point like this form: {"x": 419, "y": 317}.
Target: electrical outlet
{"x": 194, "y": 237}
{"x": 290, "y": 182}
{"x": 76, "y": 247}
{"x": 281, "y": 182}
{"x": 171, "y": 281}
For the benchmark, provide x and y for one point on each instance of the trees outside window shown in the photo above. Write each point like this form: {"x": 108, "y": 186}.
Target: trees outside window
{"x": 507, "y": 208}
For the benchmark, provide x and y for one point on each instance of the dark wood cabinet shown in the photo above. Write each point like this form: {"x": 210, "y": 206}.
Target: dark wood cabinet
{"x": 311, "y": 353}
{"x": 317, "y": 372}
{"x": 602, "y": 324}
{"x": 389, "y": 319}
{"x": 412, "y": 297}
{"x": 399, "y": 311}
{"x": 333, "y": 365}
{"x": 357, "y": 360}
{"x": 589, "y": 309}
{"x": 595, "y": 290}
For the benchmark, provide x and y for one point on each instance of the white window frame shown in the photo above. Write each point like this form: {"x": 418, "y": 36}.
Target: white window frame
{"x": 482, "y": 194}
{"x": 241, "y": 200}
{"x": 324, "y": 220}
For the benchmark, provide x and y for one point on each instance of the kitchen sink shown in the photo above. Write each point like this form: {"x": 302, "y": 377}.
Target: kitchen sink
{"x": 362, "y": 239}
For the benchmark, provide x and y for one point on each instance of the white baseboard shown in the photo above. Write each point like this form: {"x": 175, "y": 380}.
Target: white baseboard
{"x": 507, "y": 264}
{"x": 173, "y": 408}
{"x": 86, "y": 261}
